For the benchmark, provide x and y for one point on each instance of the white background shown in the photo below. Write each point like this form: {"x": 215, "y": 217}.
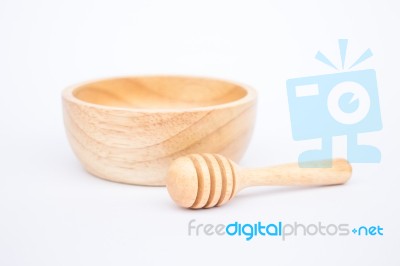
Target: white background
{"x": 54, "y": 213}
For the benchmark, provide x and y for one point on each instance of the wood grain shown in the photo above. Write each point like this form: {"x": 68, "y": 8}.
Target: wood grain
{"x": 195, "y": 182}
{"x": 130, "y": 129}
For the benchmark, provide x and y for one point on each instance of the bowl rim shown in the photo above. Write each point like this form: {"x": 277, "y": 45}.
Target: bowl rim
{"x": 251, "y": 95}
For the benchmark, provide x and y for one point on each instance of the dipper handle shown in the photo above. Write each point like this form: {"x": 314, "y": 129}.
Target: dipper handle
{"x": 294, "y": 175}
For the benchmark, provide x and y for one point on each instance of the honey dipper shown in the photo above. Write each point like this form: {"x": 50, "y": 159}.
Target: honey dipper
{"x": 208, "y": 180}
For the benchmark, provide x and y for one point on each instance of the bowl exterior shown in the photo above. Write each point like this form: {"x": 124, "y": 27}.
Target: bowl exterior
{"x": 135, "y": 147}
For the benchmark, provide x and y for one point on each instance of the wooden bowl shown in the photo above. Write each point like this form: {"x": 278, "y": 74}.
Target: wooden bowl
{"x": 129, "y": 129}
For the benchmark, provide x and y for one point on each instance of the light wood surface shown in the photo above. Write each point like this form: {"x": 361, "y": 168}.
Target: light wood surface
{"x": 207, "y": 180}
{"x": 130, "y": 129}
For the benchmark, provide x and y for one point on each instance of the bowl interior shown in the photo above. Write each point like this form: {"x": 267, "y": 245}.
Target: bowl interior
{"x": 159, "y": 92}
